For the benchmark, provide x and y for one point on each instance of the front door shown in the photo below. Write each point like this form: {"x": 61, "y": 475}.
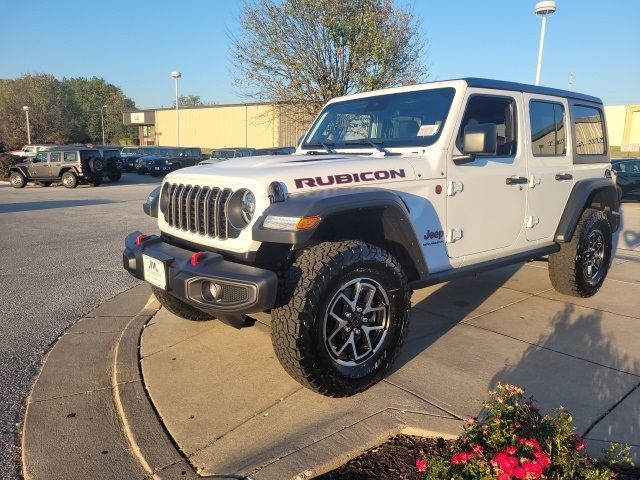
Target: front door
{"x": 550, "y": 165}
{"x": 39, "y": 166}
{"x": 486, "y": 198}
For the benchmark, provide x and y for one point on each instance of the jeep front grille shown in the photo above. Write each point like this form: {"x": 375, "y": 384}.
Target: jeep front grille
{"x": 200, "y": 210}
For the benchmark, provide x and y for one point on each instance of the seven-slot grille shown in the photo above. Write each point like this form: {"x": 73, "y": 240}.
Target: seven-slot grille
{"x": 199, "y": 210}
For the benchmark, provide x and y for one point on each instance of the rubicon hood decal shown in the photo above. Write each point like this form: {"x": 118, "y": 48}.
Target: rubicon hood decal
{"x": 346, "y": 178}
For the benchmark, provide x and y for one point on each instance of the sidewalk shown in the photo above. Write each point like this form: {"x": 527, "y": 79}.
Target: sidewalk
{"x": 174, "y": 398}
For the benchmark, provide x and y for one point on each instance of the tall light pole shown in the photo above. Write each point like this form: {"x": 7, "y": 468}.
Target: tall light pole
{"x": 26, "y": 111}
{"x": 543, "y": 9}
{"x": 176, "y": 76}
{"x": 102, "y": 118}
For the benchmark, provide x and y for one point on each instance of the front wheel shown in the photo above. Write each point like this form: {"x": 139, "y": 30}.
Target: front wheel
{"x": 581, "y": 265}
{"x": 69, "y": 180}
{"x": 343, "y": 315}
{"x": 17, "y": 180}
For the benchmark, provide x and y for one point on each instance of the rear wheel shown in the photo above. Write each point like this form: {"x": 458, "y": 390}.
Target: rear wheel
{"x": 115, "y": 177}
{"x": 17, "y": 180}
{"x": 343, "y": 316}
{"x": 69, "y": 180}
{"x": 97, "y": 181}
{"x": 580, "y": 267}
{"x": 180, "y": 308}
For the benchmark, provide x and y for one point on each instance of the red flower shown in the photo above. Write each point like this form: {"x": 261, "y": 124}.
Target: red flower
{"x": 517, "y": 424}
{"x": 477, "y": 449}
{"x": 421, "y": 465}
{"x": 471, "y": 420}
{"x": 579, "y": 442}
{"x": 462, "y": 457}
{"x": 542, "y": 458}
{"x": 503, "y": 476}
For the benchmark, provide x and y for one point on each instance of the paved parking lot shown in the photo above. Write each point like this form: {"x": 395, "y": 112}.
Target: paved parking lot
{"x": 232, "y": 409}
{"x": 61, "y": 256}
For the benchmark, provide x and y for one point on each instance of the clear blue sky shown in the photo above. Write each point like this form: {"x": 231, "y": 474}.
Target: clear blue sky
{"x": 135, "y": 44}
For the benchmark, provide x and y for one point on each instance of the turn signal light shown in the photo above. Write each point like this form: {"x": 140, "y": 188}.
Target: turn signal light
{"x": 195, "y": 258}
{"x": 140, "y": 238}
{"x": 305, "y": 223}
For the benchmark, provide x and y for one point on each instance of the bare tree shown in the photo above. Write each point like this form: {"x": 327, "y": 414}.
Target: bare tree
{"x": 308, "y": 51}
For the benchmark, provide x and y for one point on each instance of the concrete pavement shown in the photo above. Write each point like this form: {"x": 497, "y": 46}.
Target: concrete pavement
{"x": 202, "y": 397}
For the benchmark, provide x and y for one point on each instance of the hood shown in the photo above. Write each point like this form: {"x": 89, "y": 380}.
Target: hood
{"x": 301, "y": 173}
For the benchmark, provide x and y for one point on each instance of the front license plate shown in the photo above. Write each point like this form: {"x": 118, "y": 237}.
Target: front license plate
{"x": 154, "y": 272}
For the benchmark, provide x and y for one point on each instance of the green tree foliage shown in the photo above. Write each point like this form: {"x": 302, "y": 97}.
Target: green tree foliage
{"x": 66, "y": 111}
{"x": 187, "y": 101}
{"x": 309, "y": 51}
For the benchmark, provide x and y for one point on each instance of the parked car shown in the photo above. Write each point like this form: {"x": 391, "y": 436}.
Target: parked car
{"x": 274, "y": 151}
{"x": 126, "y": 153}
{"x": 221, "y": 154}
{"x": 113, "y": 162}
{"x": 27, "y": 151}
{"x": 166, "y": 159}
{"x": 390, "y": 191}
{"x": 68, "y": 165}
{"x": 627, "y": 174}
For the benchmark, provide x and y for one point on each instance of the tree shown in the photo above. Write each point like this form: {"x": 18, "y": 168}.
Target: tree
{"x": 187, "y": 101}
{"x": 309, "y": 51}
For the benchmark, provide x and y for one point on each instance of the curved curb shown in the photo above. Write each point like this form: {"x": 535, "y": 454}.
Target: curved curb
{"x": 88, "y": 414}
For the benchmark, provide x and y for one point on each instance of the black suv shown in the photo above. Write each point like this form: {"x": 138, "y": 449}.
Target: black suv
{"x": 113, "y": 162}
{"x": 70, "y": 166}
{"x": 168, "y": 159}
{"x": 627, "y": 174}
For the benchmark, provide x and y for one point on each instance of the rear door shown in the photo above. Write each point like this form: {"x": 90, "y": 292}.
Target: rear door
{"x": 55, "y": 164}
{"x": 549, "y": 164}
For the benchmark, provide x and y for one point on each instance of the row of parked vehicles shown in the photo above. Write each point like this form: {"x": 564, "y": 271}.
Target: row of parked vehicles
{"x": 72, "y": 165}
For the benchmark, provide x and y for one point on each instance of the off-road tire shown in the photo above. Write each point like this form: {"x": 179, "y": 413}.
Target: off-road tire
{"x": 69, "y": 179}
{"x": 304, "y": 296}
{"x": 180, "y": 308}
{"x": 96, "y": 182}
{"x": 96, "y": 165}
{"x": 17, "y": 180}
{"x": 114, "y": 177}
{"x": 565, "y": 267}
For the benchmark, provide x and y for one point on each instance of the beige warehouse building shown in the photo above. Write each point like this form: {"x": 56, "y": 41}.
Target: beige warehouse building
{"x": 256, "y": 125}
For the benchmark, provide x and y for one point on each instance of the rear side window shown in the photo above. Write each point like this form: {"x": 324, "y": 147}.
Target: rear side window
{"x": 69, "y": 156}
{"x": 547, "y": 128}
{"x": 589, "y": 127}
{"x": 89, "y": 154}
{"x": 498, "y": 110}
{"x": 54, "y": 157}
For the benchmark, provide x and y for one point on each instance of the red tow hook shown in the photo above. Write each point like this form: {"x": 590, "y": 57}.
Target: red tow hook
{"x": 195, "y": 258}
{"x": 140, "y": 239}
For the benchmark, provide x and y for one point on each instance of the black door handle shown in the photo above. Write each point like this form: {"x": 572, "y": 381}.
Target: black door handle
{"x": 564, "y": 176}
{"x": 517, "y": 180}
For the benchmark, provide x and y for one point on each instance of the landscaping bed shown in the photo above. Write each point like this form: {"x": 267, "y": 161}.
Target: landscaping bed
{"x": 511, "y": 440}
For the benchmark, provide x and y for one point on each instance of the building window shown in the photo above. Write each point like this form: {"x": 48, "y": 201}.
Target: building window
{"x": 146, "y": 131}
{"x": 547, "y": 128}
{"x": 589, "y": 130}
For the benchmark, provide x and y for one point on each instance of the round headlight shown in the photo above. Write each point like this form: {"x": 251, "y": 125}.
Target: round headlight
{"x": 164, "y": 198}
{"x": 241, "y": 208}
{"x": 248, "y": 205}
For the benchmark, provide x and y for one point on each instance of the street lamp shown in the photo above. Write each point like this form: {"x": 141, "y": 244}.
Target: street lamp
{"x": 102, "y": 118}
{"x": 26, "y": 111}
{"x": 176, "y": 76}
{"x": 543, "y": 9}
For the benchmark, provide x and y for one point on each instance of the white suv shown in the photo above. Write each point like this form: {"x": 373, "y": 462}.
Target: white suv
{"x": 388, "y": 192}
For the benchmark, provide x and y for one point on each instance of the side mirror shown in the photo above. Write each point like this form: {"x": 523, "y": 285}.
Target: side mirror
{"x": 478, "y": 139}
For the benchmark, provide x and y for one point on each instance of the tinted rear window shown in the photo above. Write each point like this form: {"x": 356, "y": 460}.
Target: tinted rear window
{"x": 589, "y": 128}
{"x": 89, "y": 154}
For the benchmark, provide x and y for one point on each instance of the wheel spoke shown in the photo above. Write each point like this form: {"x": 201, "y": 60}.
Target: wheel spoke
{"x": 350, "y": 341}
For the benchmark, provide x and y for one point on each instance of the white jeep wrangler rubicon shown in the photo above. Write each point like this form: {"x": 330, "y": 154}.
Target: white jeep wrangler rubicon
{"x": 389, "y": 191}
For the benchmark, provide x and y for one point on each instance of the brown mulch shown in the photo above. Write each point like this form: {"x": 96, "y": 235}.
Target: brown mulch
{"x": 396, "y": 460}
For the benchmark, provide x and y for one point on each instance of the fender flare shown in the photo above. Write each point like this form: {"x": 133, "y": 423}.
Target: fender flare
{"x": 21, "y": 169}
{"x": 598, "y": 193}
{"x": 336, "y": 205}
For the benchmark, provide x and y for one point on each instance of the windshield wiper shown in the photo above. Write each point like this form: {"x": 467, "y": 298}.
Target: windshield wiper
{"x": 327, "y": 148}
{"x": 375, "y": 145}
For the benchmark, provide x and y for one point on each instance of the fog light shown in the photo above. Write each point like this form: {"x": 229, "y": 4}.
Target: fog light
{"x": 211, "y": 292}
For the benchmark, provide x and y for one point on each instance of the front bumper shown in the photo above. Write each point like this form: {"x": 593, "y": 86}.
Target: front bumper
{"x": 242, "y": 289}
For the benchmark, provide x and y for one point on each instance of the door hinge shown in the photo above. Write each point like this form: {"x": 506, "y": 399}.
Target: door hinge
{"x": 453, "y": 188}
{"x": 453, "y": 235}
{"x": 532, "y": 221}
{"x": 533, "y": 181}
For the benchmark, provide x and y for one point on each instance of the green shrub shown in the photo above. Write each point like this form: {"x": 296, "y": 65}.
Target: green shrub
{"x": 6, "y": 161}
{"x": 514, "y": 440}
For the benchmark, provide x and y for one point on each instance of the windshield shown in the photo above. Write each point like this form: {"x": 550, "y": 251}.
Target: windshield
{"x": 223, "y": 154}
{"x": 404, "y": 119}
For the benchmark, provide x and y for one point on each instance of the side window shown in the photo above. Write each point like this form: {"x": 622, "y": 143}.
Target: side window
{"x": 547, "y": 128}
{"x": 54, "y": 157}
{"x": 498, "y": 110}
{"x": 41, "y": 157}
{"x": 69, "y": 156}
{"x": 589, "y": 128}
